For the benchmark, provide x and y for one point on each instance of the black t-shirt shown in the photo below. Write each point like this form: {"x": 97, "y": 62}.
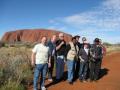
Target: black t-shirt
{"x": 79, "y": 45}
{"x": 62, "y": 50}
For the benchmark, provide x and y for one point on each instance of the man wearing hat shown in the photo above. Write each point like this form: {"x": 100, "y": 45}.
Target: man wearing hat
{"x": 84, "y": 59}
{"x": 71, "y": 53}
{"x": 84, "y": 39}
{"x": 95, "y": 61}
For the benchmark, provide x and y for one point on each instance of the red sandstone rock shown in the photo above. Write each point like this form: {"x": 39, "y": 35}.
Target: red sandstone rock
{"x": 30, "y": 35}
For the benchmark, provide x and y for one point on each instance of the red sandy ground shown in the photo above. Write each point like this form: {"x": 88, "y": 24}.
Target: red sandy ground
{"x": 110, "y": 81}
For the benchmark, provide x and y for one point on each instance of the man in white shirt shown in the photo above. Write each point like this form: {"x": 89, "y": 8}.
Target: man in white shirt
{"x": 40, "y": 59}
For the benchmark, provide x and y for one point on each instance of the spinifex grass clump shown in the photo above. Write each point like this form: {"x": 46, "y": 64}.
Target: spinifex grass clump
{"x": 14, "y": 67}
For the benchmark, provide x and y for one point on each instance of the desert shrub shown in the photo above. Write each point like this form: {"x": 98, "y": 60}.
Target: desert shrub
{"x": 1, "y": 76}
{"x": 2, "y": 44}
{"x": 12, "y": 86}
{"x": 14, "y": 66}
{"x": 118, "y": 44}
{"x": 23, "y": 44}
{"x": 112, "y": 49}
{"x": 107, "y": 44}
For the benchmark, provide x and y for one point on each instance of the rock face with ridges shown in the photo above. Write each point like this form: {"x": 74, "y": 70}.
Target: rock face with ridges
{"x": 30, "y": 35}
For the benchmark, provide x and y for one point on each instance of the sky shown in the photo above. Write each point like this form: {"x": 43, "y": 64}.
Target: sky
{"x": 89, "y": 18}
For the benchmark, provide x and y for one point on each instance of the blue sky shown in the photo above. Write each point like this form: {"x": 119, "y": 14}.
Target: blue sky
{"x": 90, "y": 18}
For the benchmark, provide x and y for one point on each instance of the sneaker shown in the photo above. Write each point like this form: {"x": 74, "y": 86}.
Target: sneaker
{"x": 50, "y": 80}
{"x": 43, "y": 88}
{"x": 84, "y": 81}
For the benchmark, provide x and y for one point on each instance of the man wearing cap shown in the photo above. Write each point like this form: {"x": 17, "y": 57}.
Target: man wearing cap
{"x": 84, "y": 59}
{"x": 60, "y": 51}
{"x": 95, "y": 61}
{"x": 71, "y": 53}
{"x": 84, "y": 39}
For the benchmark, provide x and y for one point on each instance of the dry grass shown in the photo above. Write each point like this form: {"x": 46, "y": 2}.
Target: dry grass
{"x": 112, "y": 49}
{"x": 14, "y": 66}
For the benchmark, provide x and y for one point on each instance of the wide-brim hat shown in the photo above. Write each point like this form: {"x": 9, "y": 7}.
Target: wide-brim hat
{"x": 77, "y": 36}
{"x": 96, "y": 40}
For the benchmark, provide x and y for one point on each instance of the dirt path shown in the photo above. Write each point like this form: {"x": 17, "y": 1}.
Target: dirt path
{"x": 109, "y": 81}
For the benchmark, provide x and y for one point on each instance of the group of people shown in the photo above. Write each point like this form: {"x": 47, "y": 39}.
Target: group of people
{"x": 83, "y": 60}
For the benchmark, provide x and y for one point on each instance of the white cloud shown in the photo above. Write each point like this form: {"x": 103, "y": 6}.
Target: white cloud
{"x": 53, "y": 22}
{"x": 112, "y": 4}
{"x": 97, "y": 22}
{"x": 104, "y": 17}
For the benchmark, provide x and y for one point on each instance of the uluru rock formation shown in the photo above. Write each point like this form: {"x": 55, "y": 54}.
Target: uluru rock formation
{"x": 30, "y": 35}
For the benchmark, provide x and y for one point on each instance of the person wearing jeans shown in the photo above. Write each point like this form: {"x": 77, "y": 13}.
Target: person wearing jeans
{"x": 83, "y": 70}
{"x": 71, "y": 54}
{"x": 40, "y": 68}
{"x": 70, "y": 67}
{"x": 41, "y": 61}
{"x": 51, "y": 44}
{"x": 84, "y": 59}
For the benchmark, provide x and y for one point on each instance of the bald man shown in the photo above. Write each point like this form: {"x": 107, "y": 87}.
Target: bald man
{"x": 60, "y": 51}
{"x": 40, "y": 59}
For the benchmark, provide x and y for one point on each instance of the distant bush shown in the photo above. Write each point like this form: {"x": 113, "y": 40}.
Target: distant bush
{"x": 14, "y": 66}
{"x": 118, "y": 44}
{"x": 21, "y": 44}
{"x": 2, "y": 44}
{"x": 107, "y": 44}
